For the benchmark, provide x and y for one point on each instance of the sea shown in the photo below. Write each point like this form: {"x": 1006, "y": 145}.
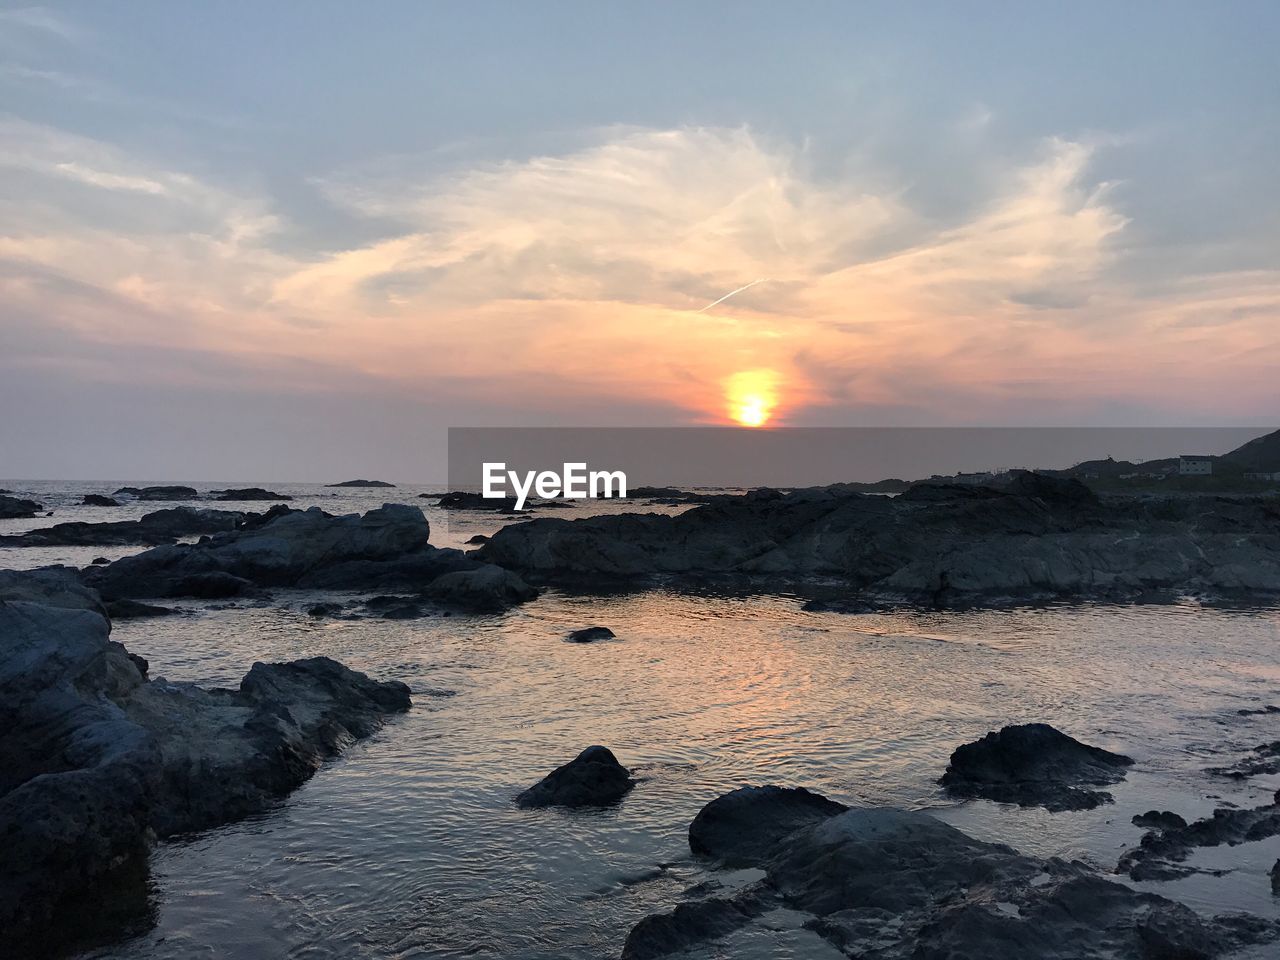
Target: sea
{"x": 410, "y": 846}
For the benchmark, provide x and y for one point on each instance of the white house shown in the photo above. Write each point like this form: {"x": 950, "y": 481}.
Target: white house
{"x": 1189, "y": 466}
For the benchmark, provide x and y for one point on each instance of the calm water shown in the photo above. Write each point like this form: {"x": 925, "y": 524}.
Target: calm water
{"x": 410, "y": 846}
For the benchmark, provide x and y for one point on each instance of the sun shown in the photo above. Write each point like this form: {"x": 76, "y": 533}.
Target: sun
{"x": 751, "y": 396}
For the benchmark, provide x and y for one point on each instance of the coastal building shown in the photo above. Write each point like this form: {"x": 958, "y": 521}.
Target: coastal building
{"x": 1190, "y": 466}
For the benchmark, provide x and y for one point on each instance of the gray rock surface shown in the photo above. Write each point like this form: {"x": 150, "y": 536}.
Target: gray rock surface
{"x": 885, "y": 884}
{"x": 594, "y": 778}
{"x": 96, "y": 760}
{"x": 1033, "y": 765}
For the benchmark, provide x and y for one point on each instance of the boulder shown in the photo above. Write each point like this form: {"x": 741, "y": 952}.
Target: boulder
{"x": 594, "y": 778}
{"x": 136, "y": 610}
{"x": 98, "y": 500}
{"x": 248, "y": 493}
{"x": 166, "y": 492}
{"x": 1033, "y": 765}
{"x": 14, "y": 508}
{"x": 1159, "y": 820}
{"x": 590, "y": 635}
{"x": 743, "y": 827}
{"x": 487, "y": 588}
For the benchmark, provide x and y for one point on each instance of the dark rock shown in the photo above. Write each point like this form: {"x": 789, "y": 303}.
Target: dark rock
{"x": 100, "y": 561}
{"x": 743, "y": 827}
{"x": 590, "y": 635}
{"x": 361, "y": 483}
{"x": 248, "y": 493}
{"x": 1159, "y": 820}
{"x": 487, "y": 588}
{"x": 893, "y": 885}
{"x": 98, "y": 500}
{"x": 324, "y": 609}
{"x": 1033, "y": 765}
{"x": 1058, "y": 491}
{"x": 1161, "y": 853}
{"x": 133, "y": 610}
{"x": 463, "y": 500}
{"x": 169, "y": 492}
{"x": 1265, "y": 759}
{"x": 13, "y": 508}
{"x": 158, "y": 527}
{"x": 477, "y": 538}
{"x": 852, "y": 605}
{"x": 1275, "y": 878}
{"x": 594, "y": 778}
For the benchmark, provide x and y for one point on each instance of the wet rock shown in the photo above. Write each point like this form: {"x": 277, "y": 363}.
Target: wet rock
{"x": 324, "y": 609}
{"x": 594, "y": 778}
{"x": 98, "y": 500}
{"x": 743, "y": 827}
{"x": 158, "y": 527}
{"x": 1275, "y": 878}
{"x": 1159, "y": 820}
{"x": 852, "y": 605}
{"x": 394, "y": 608}
{"x": 1265, "y": 759}
{"x": 1161, "y": 853}
{"x": 166, "y": 492}
{"x": 487, "y": 588}
{"x": 590, "y": 635}
{"x": 896, "y": 885}
{"x": 99, "y": 561}
{"x": 96, "y": 760}
{"x": 361, "y": 483}
{"x": 248, "y": 493}
{"x": 14, "y": 508}
{"x": 477, "y": 538}
{"x": 133, "y": 610}
{"x": 463, "y": 500}
{"x": 1033, "y": 765}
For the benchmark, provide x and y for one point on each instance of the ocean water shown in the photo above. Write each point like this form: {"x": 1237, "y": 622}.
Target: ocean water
{"x": 409, "y": 846}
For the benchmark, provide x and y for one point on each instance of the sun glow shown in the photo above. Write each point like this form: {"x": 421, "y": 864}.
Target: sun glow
{"x": 751, "y": 396}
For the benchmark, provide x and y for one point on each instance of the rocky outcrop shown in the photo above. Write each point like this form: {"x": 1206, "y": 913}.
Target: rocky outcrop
{"x": 594, "y": 778}
{"x": 168, "y": 492}
{"x": 590, "y": 635}
{"x": 361, "y": 483}
{"x": 1033, "y": 765}
{"x": 162, "y": 526}
{"x": 463, "y": 500}
{"x": 744, "y": 827}
{"x": 15, "y": 508}
{"x": 96, "y": 760}
{"x": 896, "y": 885}
{"x": 1162, "y": 850}
{"x": 487, "y": 588}
{"x": 1039, "y": 538}
{"x": 249, "y": 493}
{"x": 1264, "y": 759}
{"x": 98, "y": 500}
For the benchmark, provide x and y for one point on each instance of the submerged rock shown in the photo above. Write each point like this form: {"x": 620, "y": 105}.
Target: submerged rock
{"x": 594, "y": 778}
{"x": 14, "y": 508}
{"x": 98, "y": 500}
{"x": 249, "y": 493}
{"x": 96, "y": 760}
{"x": 590, "y": 635}
{"x": 1161, "y": 852}
{"x": 896, "y": 885}
{"x": 1033, "y": 765}
{"x": 1265, "y": 759}
{"x": 167, "y": 492}
{"x": 743, "y": 827}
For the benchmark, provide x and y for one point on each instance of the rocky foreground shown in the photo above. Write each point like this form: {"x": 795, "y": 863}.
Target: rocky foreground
{"x": 1038, "y": 538}
{"x": 97, "y": 760}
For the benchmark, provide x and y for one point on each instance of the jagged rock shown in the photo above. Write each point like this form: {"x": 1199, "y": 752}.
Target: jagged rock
{"x": 361, "y": 483}
{"x": 158, "y": 527}
{"x": 590, "y": 635}
{"x": 894, "y": 885}
{"x": 1033, "y": 765}
{"x": 133, "y": 610}
{"x": 1265, "y": 759}
{"x": 486, "y": 588}
{"x": 14, "y": 508}
{"x": 1161, "y": 852}
{"x": 248, "y": 493}
{"x": 743, "y": 827}
{"x": 1159, "y": 820}
{"x": 168, "y": 492}
{"x": 96, "y": 760}
{"x": 98, "y": 500}
{"x": 593, "y": 778}
{"x": 324, "y": 609}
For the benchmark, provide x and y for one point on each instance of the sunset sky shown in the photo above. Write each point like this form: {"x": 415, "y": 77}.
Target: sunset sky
{"x": 297, "y": 241}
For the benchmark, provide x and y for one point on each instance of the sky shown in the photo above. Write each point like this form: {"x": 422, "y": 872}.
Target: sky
{"x": 298, "y": 241}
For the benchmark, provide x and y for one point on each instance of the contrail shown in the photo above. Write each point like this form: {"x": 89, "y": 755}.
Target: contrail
{"x": 732, "y": 293}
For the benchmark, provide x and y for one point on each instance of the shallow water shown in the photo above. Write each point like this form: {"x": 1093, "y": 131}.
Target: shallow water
{"x": 410, "y": 846}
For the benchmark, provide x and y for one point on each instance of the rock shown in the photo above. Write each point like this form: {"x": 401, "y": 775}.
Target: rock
{"x": 477, "y": 538}
{"x": 896, "y": 885}
{"x": 1265, "y": 759}
{"x": 98, "y": 500}
{"x": 852, "y": 605}
{"x": 169, "y": 492}
{"x": 462, "y": 500}
{"x": 324, "y": 609}
{"x": 1033, "y": 765}
{"x": 248, "y": 493}
{"x": 361, "y": 483}
{"x": 159, "y": 527}
{"x": 487, "y": 588}
{"x": 13, "y": 508}
{"x": 133, "y": 610}
{"x": 1161, "y": 852}
{"x": 99, "y": 561}
{"x": 1159, "y": 820}
{"x": 96, "y": 760}
{"x": 594, "y": 778}
{"x": 294, "y": 548}
{"x": 743, "y": 827}
{"x": 590, "y": 635}
{"x": 1275, "y": 878}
